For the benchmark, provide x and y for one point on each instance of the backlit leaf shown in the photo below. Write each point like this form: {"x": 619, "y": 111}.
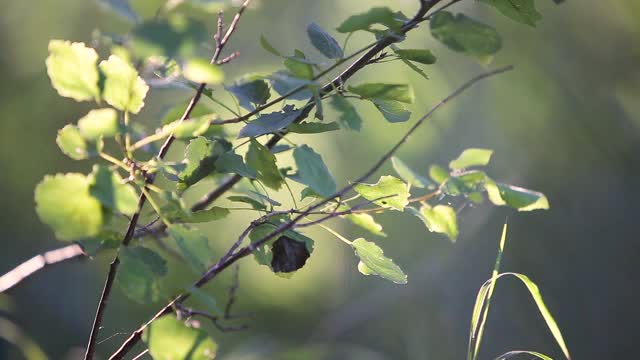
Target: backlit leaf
{"x": 201, "y": 71}
{"x": 72, "y": 70}
{"x": 168, "y": 338}
{"x": 408, "y": 175}
{"x": 123, "y": 88}
{"x": 313, "y": 127}
{"x": 64, "y": 203}
{"x": 471, "y": 157}
{"x": 388, "y": 192}
{"x": 108, "y": 187}
{"x": 372, "y": 256}
{"x": 440, "y": 218}
{"x": 72, "y": 144}
{"x": 99, "y": 123}
{"x": 422, "y": 56}
{"x": 516, "y": 197}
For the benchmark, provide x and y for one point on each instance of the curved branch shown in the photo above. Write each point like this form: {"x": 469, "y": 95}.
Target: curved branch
{"x": 39, "y": 262}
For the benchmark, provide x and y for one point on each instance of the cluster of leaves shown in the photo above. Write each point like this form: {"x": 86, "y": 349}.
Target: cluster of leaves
{"x": 90, "y": 208}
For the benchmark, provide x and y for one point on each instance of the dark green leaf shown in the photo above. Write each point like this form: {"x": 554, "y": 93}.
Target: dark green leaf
{"x": 263, "y": 161}
{"x": 388, "y": 192}
{"x": 313, "y": 128}
{"x": 376, "y": 15}
{"x": 64, "y": 203}
{"x": 189, "y": 128}
{"x": 193, "y": 246}
{"x": 308, "y": 192}
{"x": 247, "y": 200}
{"x": 109, "y": 188}
{"x": 140, "y": 269}
{"x": 324, "y": 42}
{"x": 230, "y": 162}
{"x": 123, "y": 88}
{"x": 168, "y": 338}
{"x": 471, "y": 157}
{"x": 201, "y": 216}
{"x": 422, "y": 56}
{"x": 379, "y": 91}
{"x": 374, "y": 262}
{"x": 250, "y": 92}
{"x": 72, "y": 70}
{"x": 393, "y": 111}
{"x": 313, "y": 172}
{"x": 463, "y": 34}
{"x": 522, "y": 11}
{"x": 201, "y": 155}
{"x": 105, "y": 240}
{"x": 270, "y": 123}
{"x": 349, "y": 118}
{"x": 284, "y": 82}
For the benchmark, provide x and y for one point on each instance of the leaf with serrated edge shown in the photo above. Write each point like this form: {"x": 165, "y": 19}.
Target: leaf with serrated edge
{"x": 123, "y": 88}
{"x": 72, "y": 70}
{"x": 471, "y": 157}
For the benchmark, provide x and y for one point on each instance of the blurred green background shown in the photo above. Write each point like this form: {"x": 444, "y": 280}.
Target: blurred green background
{"x": 565, "y": 122}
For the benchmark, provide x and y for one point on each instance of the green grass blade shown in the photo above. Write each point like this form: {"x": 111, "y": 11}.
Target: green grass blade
{"x": 483, "y": 302}
{"x": 520, "y": 352}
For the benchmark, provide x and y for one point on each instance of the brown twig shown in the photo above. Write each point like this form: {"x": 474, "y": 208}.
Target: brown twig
{"x": 113, "y": 268}
{"x": 231, "y": 257}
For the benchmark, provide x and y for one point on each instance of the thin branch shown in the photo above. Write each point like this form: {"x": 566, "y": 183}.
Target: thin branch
{"x": 39, "y": 262}
{"x": 113, "y": 268}
{"x": 231, "y": 257}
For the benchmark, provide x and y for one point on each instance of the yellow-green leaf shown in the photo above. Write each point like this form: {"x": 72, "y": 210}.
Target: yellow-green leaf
{"x": 373, "y": 261}
{"x": 72, "y": 70}
{"x": 99, "y": 123}
{"x": 471, "y": 157}
{"x": 388, "y": 192}
{"x": 64, "y": 203}
{"x": 171, "y": 339}
{"x": 123, "y": 88}
{"x": 201, "y": 71}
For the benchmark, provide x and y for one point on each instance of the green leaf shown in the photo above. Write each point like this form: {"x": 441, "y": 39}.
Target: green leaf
{"x": 248, "y": 200}
{"x": 313, "y": 128}
{"x": 438, "y": 174}
{"x": 471, "y": 157}
{"x": 299, "y": 67}
{"x": 72, "y": 144}
{"x": 284, "y": 82}
{"x": 440, "y": 218}
{"x": 422, "y": 56}
{"x": 263, "y": 161}
{"x": 64, "y": 203}
{"x": 522, "y": 11}
{"x": 388, "y": 192}
{"x": 308, "y": 192}
{"x": 109, "y": 188}
{"x": 516, "y": 197}
{"x": 313, "y": 172}
{"x": 372, "y": 256}
{"x": 99, "y": 123}
{"x": 324, "y": 42}
{"x": 268, "y": 47}
{"x": 250, "y": 92}
{"x": 463, "y": 34}
{"x": 72, "y": 70}
{"x": 230, "y": 162}
{"x": 201, "y": 155}
{"x": 408, "y": 175}
{"x": 193, "y": 246}
{"x": 349, "y": 117}
{"x": 379, "y": 91}
{"x": 270, "y": 123}
{"x": 366, "y": 222}
{"x": 105, "y": 240}
{"x": 282, "y": 254}
{"x": 175, "y": 37}
{"x": 189, "y": 128}
{"x": 140, "y": 269}
{"x": 364, "y": 21}
{"x": 123, "y": 88}
{"x": 201, "y": 71}
{"x": 170, "y": 339}
{"x": 201, "y": 216}
{"x": 393, "y": 111}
